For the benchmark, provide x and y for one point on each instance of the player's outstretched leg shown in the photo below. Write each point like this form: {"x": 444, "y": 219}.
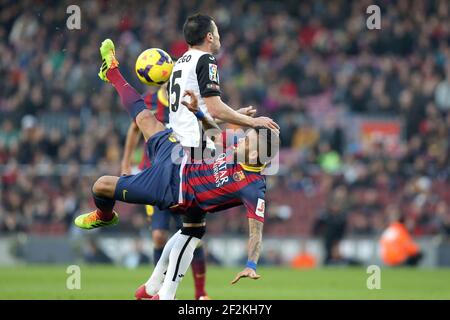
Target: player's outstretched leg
{"x": 179, "y": 260}
{"x": 103, "y": 195}
{"x": 182, "y": 253}
{"x": 154, "y": 283}
{"x": 141, "y": 188}
{"x": 131, "y": 99}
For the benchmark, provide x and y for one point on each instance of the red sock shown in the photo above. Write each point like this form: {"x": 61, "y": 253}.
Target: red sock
{"x": 105, "y": 207}
{"x": 104, "y": 216}
{"x": 199, "y": 273}
{"x": 115, "y": 77}
{"x": 131, "y": 99}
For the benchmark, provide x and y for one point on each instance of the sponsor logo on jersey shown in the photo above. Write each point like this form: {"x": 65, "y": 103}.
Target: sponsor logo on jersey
{"x": 260, "y": 208}
{"x": 238, "y": 176}
{"x": 213, "y": 76}
{"x": 220, "y": 170}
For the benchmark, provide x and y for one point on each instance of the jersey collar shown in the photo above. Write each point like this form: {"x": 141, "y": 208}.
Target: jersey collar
{"x": 251, "y": 168}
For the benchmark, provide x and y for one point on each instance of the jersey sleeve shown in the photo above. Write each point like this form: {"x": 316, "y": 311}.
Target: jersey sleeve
{"x": 253, "y": 198}
{"x": 208, "y": 76}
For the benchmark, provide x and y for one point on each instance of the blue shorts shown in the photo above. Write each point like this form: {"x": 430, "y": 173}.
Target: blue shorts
{"x": 161, "y": 219}
{"x": 159, "y": 184}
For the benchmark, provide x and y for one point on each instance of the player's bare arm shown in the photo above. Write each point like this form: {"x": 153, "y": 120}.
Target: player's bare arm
{"x": 254, "y": 250}
{"x": 132, "y": 139}
{"x": 248, "y": 111}
{"x": 255, "y": 239}
{"x": 220, "y": 110}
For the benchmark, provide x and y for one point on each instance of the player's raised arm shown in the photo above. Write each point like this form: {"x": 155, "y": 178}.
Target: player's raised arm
{"x": 254, "y": 251}
{"x": 131, "y": 142}
{"x": 209, "y": 87}
{"x": 220, "y": 110}
{"x": 248, "y": 111}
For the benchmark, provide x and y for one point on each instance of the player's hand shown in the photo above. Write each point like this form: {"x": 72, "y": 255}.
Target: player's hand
{"x": 246, "y": 273}
{"x": 193, "y": 105}
{"x": 267, "y": 123}
{"x": 248, "y": 111}
{"x": 125, "y": 169}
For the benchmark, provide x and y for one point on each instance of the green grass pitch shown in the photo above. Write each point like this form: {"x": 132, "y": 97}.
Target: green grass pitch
{"x": 109, "y": 282}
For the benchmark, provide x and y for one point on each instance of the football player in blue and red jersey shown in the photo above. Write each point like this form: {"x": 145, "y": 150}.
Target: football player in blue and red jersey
{"x": 192, "y": 189}
{"x": 157, "y": 103}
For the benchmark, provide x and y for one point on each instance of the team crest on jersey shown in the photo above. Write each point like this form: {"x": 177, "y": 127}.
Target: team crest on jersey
{"x": 213, "y": 75}
{"x": 172, "y": 138}
{"x": 238, "y": 176}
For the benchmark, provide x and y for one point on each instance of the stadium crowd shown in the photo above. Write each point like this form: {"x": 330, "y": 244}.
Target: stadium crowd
{"x": 312, "y": 66}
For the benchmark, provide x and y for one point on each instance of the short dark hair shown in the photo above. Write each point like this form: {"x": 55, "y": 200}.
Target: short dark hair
{"x": 196, "y": 28}
{"x": 266, "y": 139}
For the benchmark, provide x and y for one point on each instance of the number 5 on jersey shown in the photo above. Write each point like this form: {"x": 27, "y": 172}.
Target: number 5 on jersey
{"x": 174, "y": 91}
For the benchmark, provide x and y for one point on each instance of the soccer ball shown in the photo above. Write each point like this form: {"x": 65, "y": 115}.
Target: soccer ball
{"x": 154, "y": 66}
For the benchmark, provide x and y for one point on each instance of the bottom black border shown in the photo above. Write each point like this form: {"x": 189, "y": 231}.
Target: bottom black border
{"x": 239, "y": 309}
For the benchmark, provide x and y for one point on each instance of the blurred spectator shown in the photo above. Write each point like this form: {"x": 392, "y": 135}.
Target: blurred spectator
{"x": 397, "y": 246}
{"x": 304, "y": 259}
{"x": 137, "y": 257}
{"x": 94, "y": 254}
{"x": 337, "y": 259}
{"x": 211, "y": 259}
{"x": 442, "y": 93}
{"x": 271, "y": 257}
{"x": 443, "y": 214}
{"x": 331, "y": 225}
{"x": 278, "y": 213}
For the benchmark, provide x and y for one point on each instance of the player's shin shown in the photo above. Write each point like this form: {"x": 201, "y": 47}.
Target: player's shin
{"x": 180, "y": 258}
{"x": 154, "y": 283}
{"x": 131, "y": 99}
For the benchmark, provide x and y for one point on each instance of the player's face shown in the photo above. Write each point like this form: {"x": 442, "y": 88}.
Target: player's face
{"x": 246, "y": 149}
{"x": 215, "y": 45}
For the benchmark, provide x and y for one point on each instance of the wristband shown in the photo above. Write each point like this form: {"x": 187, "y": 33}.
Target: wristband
{"x": 251, "y": 265}
{"x": 199, "y": 114}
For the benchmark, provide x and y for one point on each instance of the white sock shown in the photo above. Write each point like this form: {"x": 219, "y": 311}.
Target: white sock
{"x": 179, "y": 261}
{"x": 155, "y": 281}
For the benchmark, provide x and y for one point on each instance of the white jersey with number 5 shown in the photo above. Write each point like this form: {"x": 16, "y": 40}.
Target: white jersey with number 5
{"x": 197, "y": 71}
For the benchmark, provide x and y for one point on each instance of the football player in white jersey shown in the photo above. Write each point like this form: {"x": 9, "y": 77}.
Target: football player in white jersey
{"x": 197, "y": 71}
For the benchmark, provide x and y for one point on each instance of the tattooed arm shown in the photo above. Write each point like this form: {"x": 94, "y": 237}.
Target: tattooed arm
{"x": 255, "y": 239}
{"x": 254, "y": 250}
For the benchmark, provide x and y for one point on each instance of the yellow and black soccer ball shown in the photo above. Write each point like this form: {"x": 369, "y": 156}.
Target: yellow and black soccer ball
{"x": 154, "y": 66}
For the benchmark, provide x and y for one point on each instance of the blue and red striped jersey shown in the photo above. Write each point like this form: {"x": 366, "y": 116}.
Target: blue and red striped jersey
{"x": 221, "y": 184}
